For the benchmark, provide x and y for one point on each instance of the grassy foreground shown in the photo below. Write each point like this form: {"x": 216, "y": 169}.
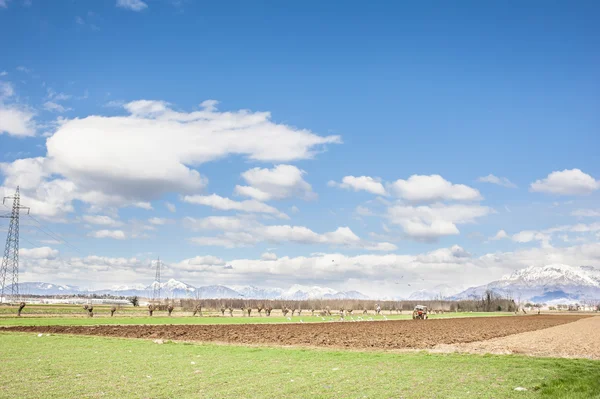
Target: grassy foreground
{"x": 89, "y": 367}
{"x": 69, "y": 320}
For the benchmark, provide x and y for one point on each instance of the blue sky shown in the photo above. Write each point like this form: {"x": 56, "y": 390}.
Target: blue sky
{"x": 385, "y": 91}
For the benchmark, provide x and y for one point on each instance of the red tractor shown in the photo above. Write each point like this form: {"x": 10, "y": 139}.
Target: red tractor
{"x": 420, "y": 313}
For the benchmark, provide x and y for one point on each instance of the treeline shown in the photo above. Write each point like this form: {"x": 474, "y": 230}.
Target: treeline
{"x": 488, "y": 303}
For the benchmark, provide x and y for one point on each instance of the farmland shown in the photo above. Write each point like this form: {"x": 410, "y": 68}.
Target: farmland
{"x": 366, "y": 334}
{"x": 67, "y": 354}
{"x": 62, "y": 366}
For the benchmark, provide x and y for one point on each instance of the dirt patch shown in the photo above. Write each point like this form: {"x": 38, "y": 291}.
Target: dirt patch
{"x": 399, "y": 334}
{"x": 574, "y": 340}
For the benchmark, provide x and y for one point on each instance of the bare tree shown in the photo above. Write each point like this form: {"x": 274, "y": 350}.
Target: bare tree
{"x": 170, "y": 309}
{"x": 223, "y": 310}
{"x": 113, "y": 310}
{"x": 150, "y": 309}
{"x": 198, "y": 309}
{"x": 260, "y": 309}
{"x": 268, "y": 310}
{"x": 21, "y": 306}
{"x": 230, "y": 310}
{"x": 135, "y": 301}
{"x": 249, "y": 310}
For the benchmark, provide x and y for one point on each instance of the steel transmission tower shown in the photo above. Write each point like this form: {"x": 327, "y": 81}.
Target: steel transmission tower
{"x": 10, "y": 261}
{"x": 156, "y": 290}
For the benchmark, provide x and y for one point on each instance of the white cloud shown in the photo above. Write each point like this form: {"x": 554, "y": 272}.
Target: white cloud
{"x": 239, "y": 232}
{"x": 4, "y": 3}
{"x": 206, "y": 260}
{"x": 101, "y": 220}
{"x": 566, "y": 182}
{"x": 79, "y": 20}
{"x": 24, "y": 69}
{"x": 501, "y": 234}
{"x": 530, "y": 235}
{"x": 116, "y": 234}
{"x": 437, "y": 220}
{"x": 15, "y": 119}
{"x": 500, "y": 181}
{"x": 150, "y": 152}
{"x": 139, "y": 157}
{"x": 3, "y": 73}
{"x": 6, "y": 90}
{"x": 134, "y": 5}
{"x": 586, "y": 213}
{"x": 158, "y": 221}
{"x": 226, "y": 204}
{"x": 27, "y": 173}
{"x": 38, "y": 253}
{"x": 364, "y": 183}
{"x": 268, "y": 256}
{"x": 171, "y": 207}
{"x": 422, "y": 188}
{"x": 282, "y": 181}
{"x": 295, "y": 209}
{"x": 363, "y": 211}
{"x": 55, "y": 107}
{"x": 221, "y": 223}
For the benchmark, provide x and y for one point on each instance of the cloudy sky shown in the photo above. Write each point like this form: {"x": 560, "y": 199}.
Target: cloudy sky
{"x": 367, "y": 147}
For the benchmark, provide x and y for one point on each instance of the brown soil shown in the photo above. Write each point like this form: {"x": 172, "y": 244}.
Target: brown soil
{"x": 371, "y": 335}
{"x": 580, "y": 339}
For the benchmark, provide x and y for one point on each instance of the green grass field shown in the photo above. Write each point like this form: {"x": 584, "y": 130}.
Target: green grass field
{"x": 104, "y": 318}
{"x": 92, "y": 367}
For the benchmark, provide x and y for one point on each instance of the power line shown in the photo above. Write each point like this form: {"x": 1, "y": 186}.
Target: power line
{"x": 54, "y": 235}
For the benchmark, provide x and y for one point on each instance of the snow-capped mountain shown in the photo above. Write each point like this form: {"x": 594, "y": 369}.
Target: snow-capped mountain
{"x": 556, "y": 282}
{"x": 39, "y": 288}
{"x": 178, "y": 289}
{"x": 441, "y": 291}
{"x": 252, "y": 292}
{"x": 215, "y": 292}
{"x": 302, "y": 292}
{"x": 346, "y": 295}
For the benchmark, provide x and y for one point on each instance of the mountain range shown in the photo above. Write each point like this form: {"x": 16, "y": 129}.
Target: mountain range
{"x": 555, "y": 283}
{"x": 177, "y": 289}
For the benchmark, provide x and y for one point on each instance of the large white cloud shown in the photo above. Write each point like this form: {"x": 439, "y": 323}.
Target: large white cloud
{"x": 243, "y": 231}
{"x": 134, "y": 159}
{"x": 566, "y": 182}
{"x": 360, "y": 183}
{"x": 282, "y": 181}
{"x": 423, "y": 188}
{"x": 150, "y": 151}
{"x": 437, "y": 220}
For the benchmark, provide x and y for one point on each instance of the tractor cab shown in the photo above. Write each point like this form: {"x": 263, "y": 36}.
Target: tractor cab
{"x": 420, "y": 312}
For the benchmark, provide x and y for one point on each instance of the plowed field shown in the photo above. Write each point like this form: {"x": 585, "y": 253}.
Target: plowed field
{"x": 375, "y": 335}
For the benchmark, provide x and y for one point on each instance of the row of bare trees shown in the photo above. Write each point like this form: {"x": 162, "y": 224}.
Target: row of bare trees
{"x": 489, "y": 303}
